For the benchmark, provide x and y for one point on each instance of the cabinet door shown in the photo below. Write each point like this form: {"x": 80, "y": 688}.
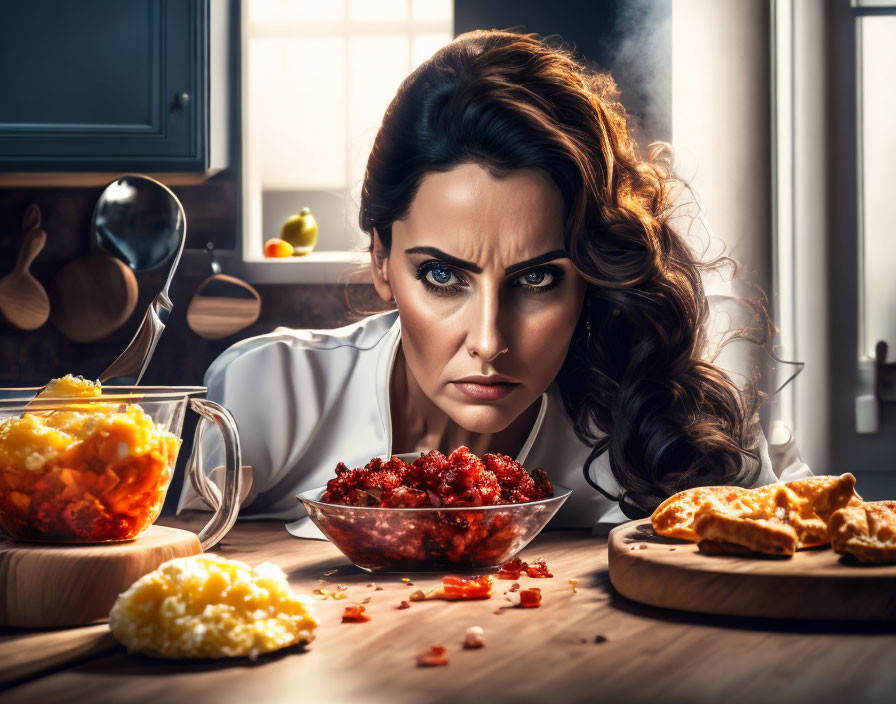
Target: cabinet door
{"x": 103, "y": 85}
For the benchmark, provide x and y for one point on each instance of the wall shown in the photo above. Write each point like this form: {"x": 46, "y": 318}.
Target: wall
{"x": 182, "y": 356}
{"x": 629, "y": 38}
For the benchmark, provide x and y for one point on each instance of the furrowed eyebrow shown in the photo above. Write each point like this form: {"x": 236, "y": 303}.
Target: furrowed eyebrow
{"x": 445, "y": 257}
{"x": 476, "y": 269}
{"x": 540, "y": 259}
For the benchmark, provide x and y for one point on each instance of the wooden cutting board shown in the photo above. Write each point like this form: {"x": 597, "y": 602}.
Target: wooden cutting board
{"x": 50, "y": 585}
{"x": 813, "y": 584}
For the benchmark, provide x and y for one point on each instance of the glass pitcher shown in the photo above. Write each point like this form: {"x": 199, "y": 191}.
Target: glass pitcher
{"x": 96, "y": 469}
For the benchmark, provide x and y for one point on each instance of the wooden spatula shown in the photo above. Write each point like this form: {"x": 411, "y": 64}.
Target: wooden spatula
{"x": 23, "y": 300}
{"x": 223, "y": 305}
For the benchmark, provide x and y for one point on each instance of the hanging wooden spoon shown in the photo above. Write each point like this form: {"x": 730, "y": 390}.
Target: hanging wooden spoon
{"x": 23, "y": 301}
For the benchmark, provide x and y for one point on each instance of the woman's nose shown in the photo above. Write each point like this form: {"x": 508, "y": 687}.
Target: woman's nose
{"x": 485, "y": 338}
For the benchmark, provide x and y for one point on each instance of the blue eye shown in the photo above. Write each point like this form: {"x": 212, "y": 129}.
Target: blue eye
{"x": 440, "y": 275}
{"x": 537, "y": 278}
{"x": 540, "y": 280}
{"x": 441, "y": 279}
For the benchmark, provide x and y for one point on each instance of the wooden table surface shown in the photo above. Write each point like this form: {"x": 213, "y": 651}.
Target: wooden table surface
{"x": 546, "y": 654}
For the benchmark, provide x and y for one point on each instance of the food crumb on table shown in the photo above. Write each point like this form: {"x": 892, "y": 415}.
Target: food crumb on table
{"x": 404, "y": 605}
{"x": 433, "y": 656}
{"x": 530, "y": 598}
{"x": 355, "y": 613}
{"x": 473, "y": 638}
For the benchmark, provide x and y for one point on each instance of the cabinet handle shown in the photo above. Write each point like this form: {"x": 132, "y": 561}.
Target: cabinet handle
{"x": 181, "y": 100}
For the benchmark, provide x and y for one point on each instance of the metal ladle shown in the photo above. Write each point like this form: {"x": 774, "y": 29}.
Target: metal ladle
{"x": 140, "y": 221}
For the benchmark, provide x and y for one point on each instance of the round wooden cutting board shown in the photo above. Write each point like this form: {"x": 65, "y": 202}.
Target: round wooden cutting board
{"x": 813, "y": 584}
{"x": 50, "y": 585}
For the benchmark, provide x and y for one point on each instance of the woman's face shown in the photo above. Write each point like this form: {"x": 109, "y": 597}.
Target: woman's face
{"x": 487, "y": 295}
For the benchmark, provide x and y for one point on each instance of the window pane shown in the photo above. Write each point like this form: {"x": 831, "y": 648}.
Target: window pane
{"x": 432, "y": 10}
{"x": 378, "y": 10}
{"x": 296, "y": 10}
{"x": 313, "y": 10}
{"x": 377, "y": 66}
{"x": 297, "y": 114}
{"x": 264, "y": 10}
{"x": 425, "y": 45}
{"x": 878, "y": 196}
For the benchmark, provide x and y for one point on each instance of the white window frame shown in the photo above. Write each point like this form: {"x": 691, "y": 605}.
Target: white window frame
{"x": 318, "y": 266}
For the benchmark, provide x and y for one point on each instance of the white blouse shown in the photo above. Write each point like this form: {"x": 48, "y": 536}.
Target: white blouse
{"x": 305, "y": 400}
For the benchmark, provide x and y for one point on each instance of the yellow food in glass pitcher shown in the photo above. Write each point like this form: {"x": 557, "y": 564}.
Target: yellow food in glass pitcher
{"x": 89, "y": 471}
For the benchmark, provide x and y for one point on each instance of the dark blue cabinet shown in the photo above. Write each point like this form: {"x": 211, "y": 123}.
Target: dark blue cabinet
{"x": 104, "y": 85}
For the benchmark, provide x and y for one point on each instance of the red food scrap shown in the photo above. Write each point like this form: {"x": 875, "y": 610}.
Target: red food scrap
{"x": 512, "y": 569}
{"x": 530, "y": 598}
{"x": 403, "y": 605}
{"x": 538, "y": 568}
{"x": 516, "y": 567}
{"x": 355, "y": 613}
{"x": 433, "y": 656}
{"x": 460, "y": 589}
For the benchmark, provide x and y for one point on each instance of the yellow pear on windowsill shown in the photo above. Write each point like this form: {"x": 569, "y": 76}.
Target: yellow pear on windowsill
{"x": 300, "y": 230}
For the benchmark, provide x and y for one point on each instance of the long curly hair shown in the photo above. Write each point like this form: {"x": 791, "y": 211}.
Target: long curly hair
{"x": 635, "y": 382}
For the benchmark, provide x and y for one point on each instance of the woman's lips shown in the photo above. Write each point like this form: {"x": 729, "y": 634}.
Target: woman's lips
{"x": 485, "y": 392}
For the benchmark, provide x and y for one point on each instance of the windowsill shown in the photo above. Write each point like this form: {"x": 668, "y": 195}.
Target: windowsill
{"x": 315, "y": 268}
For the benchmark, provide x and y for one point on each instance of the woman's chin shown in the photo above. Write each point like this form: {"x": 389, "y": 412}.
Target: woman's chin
{"x": 482, "y": 418}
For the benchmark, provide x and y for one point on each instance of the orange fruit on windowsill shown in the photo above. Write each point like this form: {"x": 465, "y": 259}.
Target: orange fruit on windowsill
{"x": 275, "y": 247}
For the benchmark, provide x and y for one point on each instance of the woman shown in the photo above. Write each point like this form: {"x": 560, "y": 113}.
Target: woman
{"x": 545, "y": 308}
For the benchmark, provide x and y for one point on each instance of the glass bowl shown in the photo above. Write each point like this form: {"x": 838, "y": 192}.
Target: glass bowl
{"x": 431, "y": 539}
{"x": 96, "y": 469}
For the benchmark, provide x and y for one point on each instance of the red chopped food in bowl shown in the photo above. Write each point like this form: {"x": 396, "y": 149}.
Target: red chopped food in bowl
{"x": 355, "y": 613}
{"x": 436, "y": 512}
{"x": 433, "y": 480}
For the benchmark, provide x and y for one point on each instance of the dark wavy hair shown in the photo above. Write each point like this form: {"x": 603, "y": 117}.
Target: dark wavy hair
{"x": 634, "y": 382}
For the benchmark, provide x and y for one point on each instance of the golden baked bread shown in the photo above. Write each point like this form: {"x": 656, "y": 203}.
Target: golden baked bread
{"x": 866, "y": 531}
{"x": 674, "y": 518}
{"x": 737, "y": 534}
{"x": 776, "y": 519}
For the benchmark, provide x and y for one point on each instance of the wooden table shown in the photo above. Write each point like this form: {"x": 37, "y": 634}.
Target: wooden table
{"x": 546, "y": 654}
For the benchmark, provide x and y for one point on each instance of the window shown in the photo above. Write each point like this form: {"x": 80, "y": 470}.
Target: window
{"x": 317, "y": 79}
{"x": 876, "y": 103}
